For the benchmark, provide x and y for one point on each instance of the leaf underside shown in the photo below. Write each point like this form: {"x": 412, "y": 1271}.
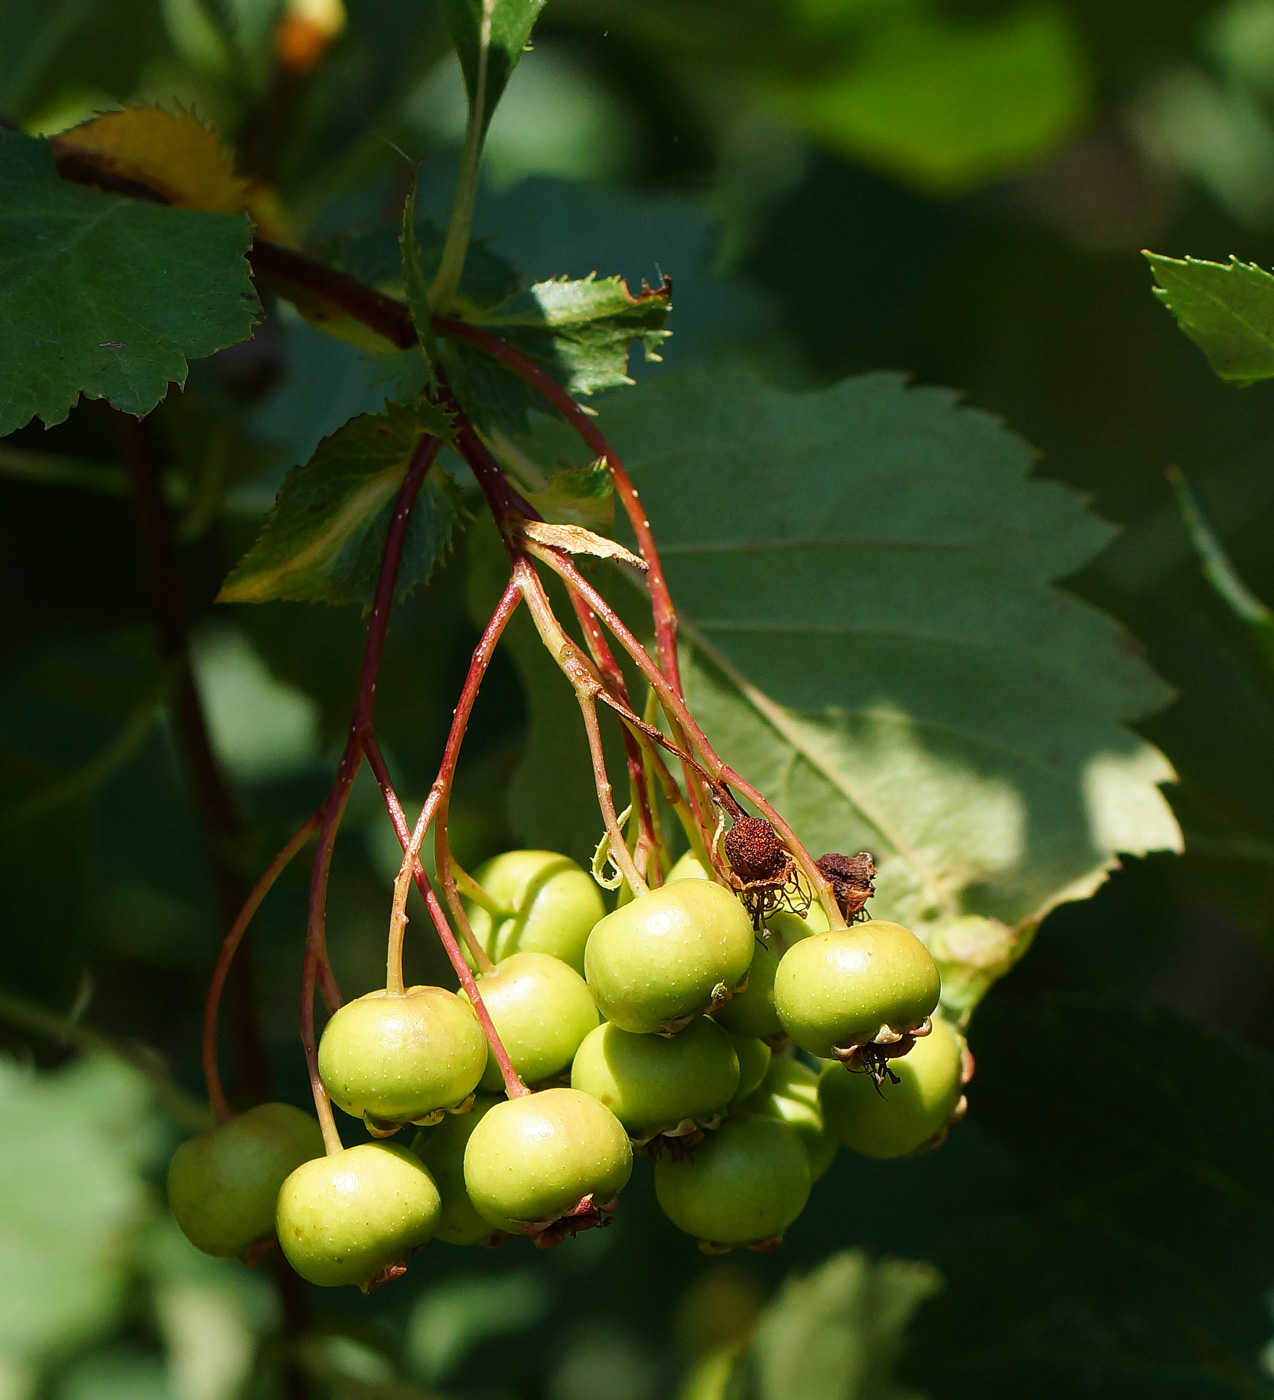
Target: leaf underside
{"x": 106, "y": 296}
{"x": 323, "y": 538}
{"x": 873, "y": 638}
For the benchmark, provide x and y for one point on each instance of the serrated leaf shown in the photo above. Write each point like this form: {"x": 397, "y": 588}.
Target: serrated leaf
{"x": 873, "y": 638}
{"x": 573, "y": 495}
{"x": 1146, "y": 1139}
{"x": 1227, "y": 309}
{"x": 172, "y": 153}
{"x": 323, "y": 537}
{"x": 579, "y": 331}
{"x": 106, "y": 296}
{"x": 833, "y": 1334}
{"x": 489, "y": 37}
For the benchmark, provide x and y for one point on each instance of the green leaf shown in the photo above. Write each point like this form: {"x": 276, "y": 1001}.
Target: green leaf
{"x": 578, "y": 331}
{"x": 417, "y": 287}
{"x": 1226, "y": 309}
{"x": 948, "y": 104}
{"x": 106, "y": 296}
{"x": 577, "y": 496}
{"x": 833, "y": 1334}
{"x": 72, "y": 1145}
{"x": 501, "y": 28}
{"x": 322, "y": 539}
{"x": 1143, "y": 1273}
{"x": 873, "y": 638}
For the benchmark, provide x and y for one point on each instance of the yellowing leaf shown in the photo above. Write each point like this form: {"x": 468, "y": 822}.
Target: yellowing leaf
{"x": 172, "y": 153}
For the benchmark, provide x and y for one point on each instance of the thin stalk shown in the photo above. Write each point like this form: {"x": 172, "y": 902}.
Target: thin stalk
{"x": 230, "y": 946}
{"x": 447, "y": 279}
{"x": 675, "y": 708}
{"x": 665, "y": 614}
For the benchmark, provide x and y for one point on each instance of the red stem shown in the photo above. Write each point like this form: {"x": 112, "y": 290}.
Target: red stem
{"x": 540, "y": 380}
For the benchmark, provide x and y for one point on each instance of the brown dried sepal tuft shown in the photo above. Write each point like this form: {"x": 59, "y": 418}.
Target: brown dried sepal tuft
{"x": 853, "y": 881}
{"x": 585, "y": 1215}
{"x": 755, "y": 852}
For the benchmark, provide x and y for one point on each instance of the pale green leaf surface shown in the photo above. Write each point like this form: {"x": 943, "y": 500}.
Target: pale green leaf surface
{"x": 106, "y": 296}
{"x": 833, "y": 1334}
{"x": 72, "y": 1145}
{"x": 949, "y": 104}
{"x": 323, "y": 537}
{"x": 511, "y": 22}
{"x": 874, "y": 640}
{"x": 1227, "y": 309}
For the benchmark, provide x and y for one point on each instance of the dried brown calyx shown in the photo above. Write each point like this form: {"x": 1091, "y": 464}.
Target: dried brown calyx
{"x": 853, "y": 881}
{"x": 762, "y": 869}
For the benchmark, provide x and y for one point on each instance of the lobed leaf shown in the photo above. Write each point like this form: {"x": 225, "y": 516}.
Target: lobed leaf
{"x": 105, "y": 296}
{"x": 1226, "y": 309}
{"x": 322, "y": 539}
{"x": 873, "y": 638}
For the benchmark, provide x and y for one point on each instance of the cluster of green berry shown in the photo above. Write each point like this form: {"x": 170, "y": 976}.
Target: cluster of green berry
{"x": 672, "y": 1026}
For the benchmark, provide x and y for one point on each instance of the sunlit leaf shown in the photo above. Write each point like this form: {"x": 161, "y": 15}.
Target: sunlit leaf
{"x": 1227, "y": 309}
{"x": 323, "y": 537}
{"x": 106, "y": 296}
{"x": 873, "y": 638}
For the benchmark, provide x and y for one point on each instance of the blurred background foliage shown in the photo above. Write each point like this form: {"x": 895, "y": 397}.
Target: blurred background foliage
{"x": 957, "y": 189}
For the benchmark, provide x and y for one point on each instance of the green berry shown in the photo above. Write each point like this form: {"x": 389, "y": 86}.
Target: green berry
{"x": 668, "y": 955}
{"x": 871, "y": 983}
{"x": 355, "y": 1216}
{"x": 900, "y": 1118}
{"x": 652, "y": 1083}
{"x": 532, "y": 1160}
{"x": 541, "y": 1010}
{"x": 744, "y": 1184}
{"x": 754, "y": 1060}
{"x": 441, "y": 1149}
{"x": 397, "y": 1059}
{"x": 688, "y": 867}
{"x": 789, "y": 1092}
{"x": 222, "y": 1185}
{"x": 552, "y": 905}
{"x": 751, "y": 1011}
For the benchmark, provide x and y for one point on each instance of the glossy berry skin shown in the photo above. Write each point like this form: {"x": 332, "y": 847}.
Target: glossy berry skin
{"x": 872, "y": 982}
{"x": 441, "y": 1149}
{"x": 553, "y": 903}
{"x": 744, "y": 1184}
{"x": 661, "y": 959}
{"x": 349, "y": 1217}
{"x": 751, "y": 1011}
{"x": 394, "y": 1060}
{"x": 789, "y": 1093}
{"x": 754, "y": 1060}
{"x": 652, "y": 1082}
{"x": 222, "y": 1185}
{"x": 904, "y": 1116}
{"x": 531, "y": 1160}
{"x": 541, "y": 1009}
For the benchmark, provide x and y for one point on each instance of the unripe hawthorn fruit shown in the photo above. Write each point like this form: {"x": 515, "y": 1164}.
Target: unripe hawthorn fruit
{"x": 899, "y": 1118}
{"x": 554, "y": 906}
{"x": 441, "y": 1148}
{"x": 751, "y": 1011}
{"x": 744, "y": 1184}
{"x": 754, "y": 1060}
{"x": 355, "y": 1216}
{"x": 653, "y": 1083}
{"x": 872, "y": 983}
{"x": 222, "y": 1185}
{"x": 789, "y": 1092}
{"x": 541, "y": 1010}
{"x": 668, "y": 955}
{"x": 687, "y": 867}
{"x": 392, "y": 1060}
{"x": 534, "y": 1159}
